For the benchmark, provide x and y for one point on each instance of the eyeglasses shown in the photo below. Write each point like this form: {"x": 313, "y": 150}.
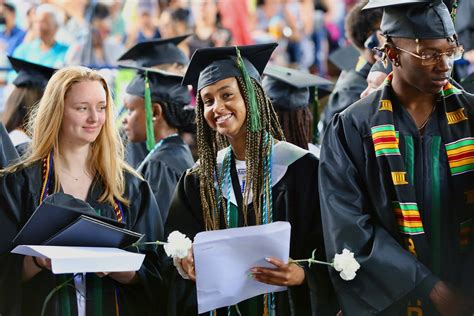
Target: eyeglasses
{"x": 431, "y": 57}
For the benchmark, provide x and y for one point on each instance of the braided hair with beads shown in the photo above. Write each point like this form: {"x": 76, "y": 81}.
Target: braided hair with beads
{"x": 256, "y": 149}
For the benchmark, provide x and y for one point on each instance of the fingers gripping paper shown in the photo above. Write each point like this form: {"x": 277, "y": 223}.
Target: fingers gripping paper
{"x": 223, "y": 260}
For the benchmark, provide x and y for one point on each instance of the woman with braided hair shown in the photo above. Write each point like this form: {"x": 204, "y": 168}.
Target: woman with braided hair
{"x": 258, "y": 179}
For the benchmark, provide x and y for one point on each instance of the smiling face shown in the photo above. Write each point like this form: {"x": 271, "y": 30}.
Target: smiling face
{"x": 224, "y": 108}
{"x": 84, "y": 113}
{"x": 134, "y": 123}
{"x": 426, "y": 79}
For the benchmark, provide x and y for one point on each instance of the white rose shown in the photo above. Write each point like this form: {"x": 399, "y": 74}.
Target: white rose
{"x": 346, "y": 264}
{"x": 178, "y": 245}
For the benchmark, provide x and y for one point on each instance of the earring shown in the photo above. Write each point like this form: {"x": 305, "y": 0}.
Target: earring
{"x": 153, "y": 118}
{"x": 396, "y": 63}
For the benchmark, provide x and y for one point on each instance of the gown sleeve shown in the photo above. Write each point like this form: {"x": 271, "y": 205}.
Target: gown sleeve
{"x": 163, "y": 180}
{"x": 15, "y": 202}
{"x": 146, "y": 219}
{"x": 388, "y": 273}
{"x": 185, "y": 215}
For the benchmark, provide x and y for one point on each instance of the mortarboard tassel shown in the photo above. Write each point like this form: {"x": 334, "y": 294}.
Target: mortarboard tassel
{"x": 150, "y": 133}
{"x": 255, "y": 124}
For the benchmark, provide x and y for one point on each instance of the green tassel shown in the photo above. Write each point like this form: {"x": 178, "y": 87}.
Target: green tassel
{"x": 255, "y": 124}
{"x": 315, "y": 107}
{"x": 150, "y": 133}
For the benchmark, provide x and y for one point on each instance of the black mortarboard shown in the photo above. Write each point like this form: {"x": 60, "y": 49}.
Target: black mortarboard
{"x": 422, "y": 19}
{"x": 379, "y": 66}
{"x": 468, "y": 83}
{"x": 345, "y": 58}
{"x": 30, "y": 74}
{"x": 164, "y": 86}
{"x": 157, "y": 52}
{"x": 289, "y": 88}
{"x": 157, "y": 86}
{"x": 209, "y": 65}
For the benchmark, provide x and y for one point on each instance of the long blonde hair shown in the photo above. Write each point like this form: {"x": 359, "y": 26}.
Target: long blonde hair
{"x": 106, "y": 155}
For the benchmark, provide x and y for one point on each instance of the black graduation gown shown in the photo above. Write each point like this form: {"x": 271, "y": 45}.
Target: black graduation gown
{"x": 296, "y": 200}
{"x": 19, "y": 197}
{"x": 347, "y": 90}
{"x": 357, "y": 214}
{"x": 163, "y": 169}
{"x": 135, "y": 153}
{"x": 8, "y": 152}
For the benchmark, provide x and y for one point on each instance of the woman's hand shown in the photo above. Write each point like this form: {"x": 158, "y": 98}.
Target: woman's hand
{"x": 30, "y": 268}
{"x": 188, "y": 265}
{"x": 283, "y": 275}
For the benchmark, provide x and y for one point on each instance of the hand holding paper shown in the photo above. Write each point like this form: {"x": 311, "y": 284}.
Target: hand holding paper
{"x": 224, "y": 259}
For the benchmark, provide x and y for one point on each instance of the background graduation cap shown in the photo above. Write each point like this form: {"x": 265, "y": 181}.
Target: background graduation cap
{"x": 156, "y": 86}
{"x": 156, "y": 52}
{"x": 345, "y": 58}
{"x": 289, "y": 89}
{"x": 30, "y": 74}
{"x": 423, "y": 19}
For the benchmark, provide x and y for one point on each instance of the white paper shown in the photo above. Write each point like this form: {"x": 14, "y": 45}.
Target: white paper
{"x": 223, "y": 259}
{"x": 84, "y": 259}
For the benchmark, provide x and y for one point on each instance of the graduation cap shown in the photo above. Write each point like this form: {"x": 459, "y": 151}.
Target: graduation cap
{"x": 468, "y": 83}
{"x": 417, "y": 19}
{"x": 157, "y": 52}
{"x": 209, "y": 65}
{"x": 30, "y": 74}
{"x": 345, "y": 58}
{"x": 289, "y": 89}
{"x": 156, "y": 86}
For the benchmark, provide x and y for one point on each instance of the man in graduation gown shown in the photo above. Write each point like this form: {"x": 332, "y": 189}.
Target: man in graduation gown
{"x": 359, "y": 25}
{"x": 396, "y": 176}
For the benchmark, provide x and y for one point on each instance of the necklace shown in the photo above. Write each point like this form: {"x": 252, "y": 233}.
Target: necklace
{"x": 73, "y": 177}
{"x": 427, "y": 119}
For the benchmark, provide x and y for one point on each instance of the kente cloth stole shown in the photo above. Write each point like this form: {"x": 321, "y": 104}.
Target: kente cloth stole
{"x": 47, "y": 175}
{"x": 457, "y": 136}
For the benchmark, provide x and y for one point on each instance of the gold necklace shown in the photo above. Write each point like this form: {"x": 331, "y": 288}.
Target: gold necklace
{"x": 427, "y": 119}
{"x": 73, "y": 177}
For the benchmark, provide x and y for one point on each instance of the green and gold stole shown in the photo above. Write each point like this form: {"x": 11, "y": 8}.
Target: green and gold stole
{"x": 457, "y": 137}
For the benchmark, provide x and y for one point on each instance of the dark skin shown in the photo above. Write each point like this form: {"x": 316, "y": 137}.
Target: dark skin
{"x": 416, "y": 86}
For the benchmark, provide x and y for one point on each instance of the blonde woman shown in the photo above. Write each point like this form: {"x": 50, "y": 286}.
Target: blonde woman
{"x": 75, "y": 149}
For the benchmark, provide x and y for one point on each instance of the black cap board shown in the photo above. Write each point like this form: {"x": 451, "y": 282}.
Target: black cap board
{"x": 157, "y": 52}
{"x": 345, "y": 58}
{"x": 289, "y": 88}
{"x": 422, "y": 19}
{"x": 30, "y": 74}
{"x": 164, "y": 86}
{"x": 209, "y": 65}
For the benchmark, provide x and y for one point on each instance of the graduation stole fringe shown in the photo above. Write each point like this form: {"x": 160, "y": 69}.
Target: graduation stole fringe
{"x": 456, "y": 134}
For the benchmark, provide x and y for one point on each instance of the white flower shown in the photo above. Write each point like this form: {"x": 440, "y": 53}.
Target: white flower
{"x": 178, "y": 245}
{"x": 346, "y": 264}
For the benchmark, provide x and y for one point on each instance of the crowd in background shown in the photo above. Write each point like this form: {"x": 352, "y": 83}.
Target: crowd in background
{"x": 95, "y": 33}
